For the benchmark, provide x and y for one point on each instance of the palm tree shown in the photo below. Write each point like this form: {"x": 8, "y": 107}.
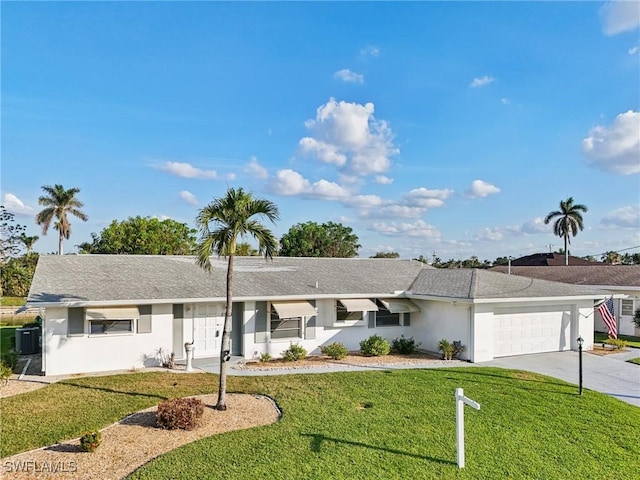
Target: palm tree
{"x": 28, "y": 241}
{"x": 221, "y": 223}
{"x": 58, "y": 203}
{"x": 568, "y": 222}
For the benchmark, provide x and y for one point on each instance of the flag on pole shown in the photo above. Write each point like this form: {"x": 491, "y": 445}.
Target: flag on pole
{"x": 608, "y": 316}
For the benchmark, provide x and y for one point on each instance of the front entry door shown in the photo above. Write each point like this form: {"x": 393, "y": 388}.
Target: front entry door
{"x": 207, "y": 329}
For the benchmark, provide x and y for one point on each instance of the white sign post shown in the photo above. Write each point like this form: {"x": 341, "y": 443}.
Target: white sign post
{"x": 460, "y": 401}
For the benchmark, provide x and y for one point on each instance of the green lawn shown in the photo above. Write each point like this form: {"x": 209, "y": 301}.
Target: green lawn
{"x": 635, "y": 360}
{"x": 529, "y": 426}
{"x": 12, "y": 301}
{"x": 631, "y": 340}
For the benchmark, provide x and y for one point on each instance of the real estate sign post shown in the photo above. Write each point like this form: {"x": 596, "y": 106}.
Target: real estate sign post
{"x": 460, "y": 401}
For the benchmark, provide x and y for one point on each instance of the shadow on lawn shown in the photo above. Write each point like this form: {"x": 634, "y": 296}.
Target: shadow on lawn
{"x": 111, "y": 390}
{"x": 317, "y": 439}
{"x": 520, "y": 377}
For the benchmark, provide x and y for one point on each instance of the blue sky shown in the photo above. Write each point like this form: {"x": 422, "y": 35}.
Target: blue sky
{"x": 451, "y": 128}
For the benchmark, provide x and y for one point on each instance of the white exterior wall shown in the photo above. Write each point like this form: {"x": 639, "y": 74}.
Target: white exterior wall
{"x": 326, "y": 331}
{"x": 584, "y": 325}
{"x": 482, "y": 343}
{"x": 64, "y": 354}
{"x": 442, "y": 320}
{"x": 625, "y": 322}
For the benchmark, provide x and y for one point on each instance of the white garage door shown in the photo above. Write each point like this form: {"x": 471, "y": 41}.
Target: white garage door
{"x": 518, "y": 331}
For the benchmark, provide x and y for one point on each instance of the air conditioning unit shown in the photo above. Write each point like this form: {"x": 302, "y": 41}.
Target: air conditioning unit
{"x": 28, "y": 340}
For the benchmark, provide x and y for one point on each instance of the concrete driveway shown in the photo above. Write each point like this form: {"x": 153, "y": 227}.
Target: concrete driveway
{"x": 609, "y": 374}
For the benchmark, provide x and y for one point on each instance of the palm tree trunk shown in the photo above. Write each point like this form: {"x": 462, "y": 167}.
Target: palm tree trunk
{"x": 566, "y": 250}
{"x": 60, "y": 244}
{"x": 226, "y": 341}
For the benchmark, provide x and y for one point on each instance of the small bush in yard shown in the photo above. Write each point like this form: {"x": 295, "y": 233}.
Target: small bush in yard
{"x": 294, "y": 353}
{"x": 184, "y": 413}
{"x": 446, "y": 348}
{"x": 458, "y": 348}
{"x": 5, "y": 373}
{"x": 265, "y": 357}
{"x": 616, "y": 343}
{"x": 335, "y": 350}
{"x": 375, "y": 346}
{"x": 9, "y": 358}
{"x": 404, "y": 346}
{"x": 90, "y": 441}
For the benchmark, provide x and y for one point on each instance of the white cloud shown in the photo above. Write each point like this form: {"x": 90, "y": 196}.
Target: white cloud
{"x": 16, "y": 206}
{"x": 255, "y": 170}
{"x": 531, "y": 227}
{"x": 350, "y": 137}
{"x": 395, "y": 210}
{"x": 186, "y": 170}
{"x": 505, "y": 101}
{"x": 633, "y": 50}
{"x": 620, "y": 16}
{"x": 535, "y": 226}
{"x": 481, "y": 81}
{"x": 625, "y": 217}
{"x": 418, "y": 228}
{"x": 363, "y": 201}
{"x": 370, "y": 51}
{"x": 188, "y": 197}
{"x": 288, "y": 182}
{"x": 481, "y": 189}
{"x": 616, "y": 148}
{"x": 348, "y": 76}
{"x": 383, "y": 180}
{"x": 422, "y": 193}
{"x": 489, "y": 234}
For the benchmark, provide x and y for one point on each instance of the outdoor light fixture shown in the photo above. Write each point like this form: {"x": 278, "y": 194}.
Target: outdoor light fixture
{"x": 226, "y": 355}
{"x": 580, "y": 342}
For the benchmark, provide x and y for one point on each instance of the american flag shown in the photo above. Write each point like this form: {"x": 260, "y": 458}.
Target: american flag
{"x": 608, "y": 316}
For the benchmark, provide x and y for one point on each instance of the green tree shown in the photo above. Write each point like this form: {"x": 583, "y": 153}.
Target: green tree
{"x": 28, "y": 241}
{"x": 386, "y": 255}
{"x": 143, "y": 236}
{"x": 16, "y": 275}
{"x": 221, "y": 223}
{"x": 612, "y": 257}
{"x": 244, "y": 249}
{"x": 10, "y": 233}
{"x": 311, "y": 239}
{"x": 59, "y": 203}
{"x": 568, "y": 221}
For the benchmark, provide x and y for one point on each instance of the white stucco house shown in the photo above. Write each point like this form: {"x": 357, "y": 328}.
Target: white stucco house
{"x": 108, "y": 312}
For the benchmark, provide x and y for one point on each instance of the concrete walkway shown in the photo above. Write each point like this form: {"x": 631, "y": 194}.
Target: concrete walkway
{"x": 609, "y": 374}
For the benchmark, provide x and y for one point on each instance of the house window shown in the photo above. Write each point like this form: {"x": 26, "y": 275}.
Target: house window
{"x": 384, "y": 318}
{"x": 342, "y": 315}
{"x": 627, "y": 308}
{"x": 100, "y": 327}
{"x": 285, "y": 327}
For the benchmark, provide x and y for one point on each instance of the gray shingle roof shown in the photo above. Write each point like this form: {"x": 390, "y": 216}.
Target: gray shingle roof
{"x": 474, "y": 284}
{"x": 136, "y": 278}
{"x": 602, "y": 275}
{"x": 95, "y": 278}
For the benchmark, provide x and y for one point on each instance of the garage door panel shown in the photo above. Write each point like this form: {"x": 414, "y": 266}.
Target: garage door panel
{"x": 533, "y": 330}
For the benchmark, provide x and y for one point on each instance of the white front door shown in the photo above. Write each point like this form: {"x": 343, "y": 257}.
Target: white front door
{"x": 207, "y": 329}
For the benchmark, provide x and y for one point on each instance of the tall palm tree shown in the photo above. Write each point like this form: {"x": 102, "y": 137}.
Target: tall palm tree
{"x": 28, "y": 241}
{"x": 59, "y": 202}
{"x": 221, "y": 224}
{"x": 568, "y": 220}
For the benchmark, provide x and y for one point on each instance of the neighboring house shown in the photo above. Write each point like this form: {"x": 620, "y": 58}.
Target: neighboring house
{"x": 109, "y": 312}
{"x": 619, "y": 280}
{"x": 549, "y": 259}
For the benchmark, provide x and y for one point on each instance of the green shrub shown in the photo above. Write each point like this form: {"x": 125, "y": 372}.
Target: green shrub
{"x": 335, "y": 350}
{"x": 404, "y": 346}
{"x": 636, "y": 318}
{"x": 375, "y": 346}
{"x": 616, "y": 343}
{"x": 265, "y": 357}
{"x": 446, "y": 348}
{"x": 5, "y": 373}
{"x": 458, "y": 348}
{"x": 9, "y": 358}
{"x": 294, "y": 353}
{"x": 184, "y": 413}
{"x": 90, "y": 441}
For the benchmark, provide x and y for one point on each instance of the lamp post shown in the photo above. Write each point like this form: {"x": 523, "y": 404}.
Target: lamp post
{"x": 580, "y": 342}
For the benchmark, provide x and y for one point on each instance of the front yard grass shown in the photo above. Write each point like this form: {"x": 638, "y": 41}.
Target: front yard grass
{"x": 630, "y": 339}
{"x": 635, "y": 360}
{"x": 7, "y": 338}
{"x": 396, "y": 424}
